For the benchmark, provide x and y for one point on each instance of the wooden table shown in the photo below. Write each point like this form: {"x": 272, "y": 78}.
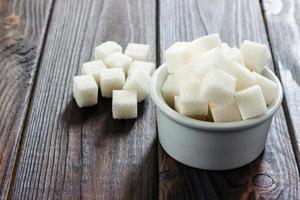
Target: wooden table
{"x": 50, "y": 148}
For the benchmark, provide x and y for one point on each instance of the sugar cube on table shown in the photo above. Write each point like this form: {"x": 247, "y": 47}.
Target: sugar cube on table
{"x": 118, "y": 60}
{"x": 218, "y": 87}
{"x": 147, "y": 67}
{"x": 111, "y": 79}
{"x": 85, "y": 90}
{"x": 170, "y": 90}
{"x": 124, "y": 104}
{"x": 235, "y": 54}
{"x": 176, "y": 56}
{"x": 138, "y": 81}
{"x": 190, "y": 101}
{"x": 94, "y": 69}
{"x": 268, "y": 87}
{"x": 226, "y": 113}
{"x": 205, "y": 43}
{"x": 106, "y": 49}
{"x": 251, "y": 102}
{"x": 255, "y": 55}
{"x": 243, "y": 75}
{"x": 138, "y": 51}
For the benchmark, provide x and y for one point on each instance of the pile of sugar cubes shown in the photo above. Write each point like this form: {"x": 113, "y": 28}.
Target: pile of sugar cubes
{"x": 123, "y": 77}
{"x": 209, "y": 80}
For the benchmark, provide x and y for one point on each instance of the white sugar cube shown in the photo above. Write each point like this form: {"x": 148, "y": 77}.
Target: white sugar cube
{"x": 225, "y": 46}
{"x": 218, "y": 87}
{"x": 111, "y": 79}
{"x": 234, "y": 54}
{"x": 185, "y": 74}
{"x": 244, "y": 77}
{"x": 201, "y": 45}
{"x": 139, "y": 82}
{"x": 190, "y": 100}
{"x": 147, "y": 67}
{"x": 176, "y": 56}
{"x": 106, "y": 49}
{"x": 251, "y": 102}
{"x": 118, "y": 60}
{"x": 170, "y": 90}
{"x": 226, "y": 113}
{"x": 94, "y": 69}
{"x": 255, "y": 55}
{"x": 85, "y": 90}
{"x": 124, "y": 104}
{"x": 268, "y": 87}
{"x": 138, "y": 51}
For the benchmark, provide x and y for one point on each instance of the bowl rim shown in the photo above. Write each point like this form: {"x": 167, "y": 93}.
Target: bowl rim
{"x": 157, "y": 97}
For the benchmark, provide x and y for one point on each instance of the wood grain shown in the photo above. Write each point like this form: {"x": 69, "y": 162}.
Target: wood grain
{"x": 22, "y": 30}
{"x": 274, "y": 175}
{"x": 283, "y": 22}
{"x": 72, "y": 153}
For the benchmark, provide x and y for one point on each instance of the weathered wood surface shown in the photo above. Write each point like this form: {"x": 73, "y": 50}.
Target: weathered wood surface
{"x": 283, "y": 22}
{"x": 275, "y": 174}
{"x": 72, "y": 153}
{"x": 22, "y": 30}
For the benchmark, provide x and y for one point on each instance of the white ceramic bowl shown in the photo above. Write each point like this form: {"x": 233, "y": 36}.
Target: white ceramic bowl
{"x": 209, "y": 145}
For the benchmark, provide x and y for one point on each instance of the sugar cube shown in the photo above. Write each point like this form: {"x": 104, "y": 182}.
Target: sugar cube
{"x": 147, "y": 67}
{"x": 106, "y": 49}
{"x": 225, "y": 46}
{"x": 251, "y": 102}
{"x": 190, "y": 101}
{"x": 94, "y": 69}
{"x": 185, "y": 74}
{"x": 118, "y": 60}
{"x": 226, "y": 113}
{"x": 268, "y": 87}
{"x": 218, "y": 87}
{"x": 234, "y": 54}
{"x": 255, "y": 55}
{"x": 85, "y": 90}
{"x": 138, "y": 51}
{"x": 201, "y": 45}
{"x": 170, "y": 90}
{"x": 138, "y": 81}
{"x": 176, "y": 56}
{"x": 111, "y": 79}
{"x": 244, "y": 77}
{"x": 124, "y": 104}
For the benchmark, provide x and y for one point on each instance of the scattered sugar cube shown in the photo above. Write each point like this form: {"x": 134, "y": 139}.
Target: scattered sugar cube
{"x": 244, "y": 77}
{"x": 147, "y": 67}
{"x": 225, "y": 46}
{"x": 255, "y": 55}
{"x": 251, "y": 102}
{"x": 170, "y": 90}
{"x": 190, "y": 101}
{"x": 94, "y": 69}
{"x": 85, "y": 90}
{"x": 111, "y": 79}
{"x": 268, "y": 87}
{"x": 201, "y": 45}
{"x": 106, "y": 49}
{"x": 226, "y": 113}
{"x": 118, "y": 60}
{"x": 124, "y": 104}
{"x": 234, "y": 54}
{"x": 176, "y": 56}
{"x": 138, "y": 51}
{"x": 218, "y": 87}
{"x": 139, "y": 82}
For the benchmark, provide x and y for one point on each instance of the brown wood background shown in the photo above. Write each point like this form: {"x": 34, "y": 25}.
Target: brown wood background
{"x": 51, "y": 149}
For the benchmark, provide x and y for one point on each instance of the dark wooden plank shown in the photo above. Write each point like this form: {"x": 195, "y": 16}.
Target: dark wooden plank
{"x": 22, "y": 30}
{"x": 283, "y": 21}
{"x": 73, "y": 153}
{"x": 274, "y": 175}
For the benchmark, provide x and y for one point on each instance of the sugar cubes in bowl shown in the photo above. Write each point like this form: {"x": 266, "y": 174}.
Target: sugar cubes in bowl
{"x": 215, "y": 103}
